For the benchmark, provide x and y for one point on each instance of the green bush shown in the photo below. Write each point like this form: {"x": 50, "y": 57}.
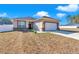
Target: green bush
{"x": 33, "y": 31}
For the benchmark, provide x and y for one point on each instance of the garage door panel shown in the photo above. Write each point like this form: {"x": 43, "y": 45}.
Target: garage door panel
{"x": 50, "y": 26}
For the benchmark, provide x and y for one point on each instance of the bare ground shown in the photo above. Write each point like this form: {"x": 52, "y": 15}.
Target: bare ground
{"x": 31, "y": 43}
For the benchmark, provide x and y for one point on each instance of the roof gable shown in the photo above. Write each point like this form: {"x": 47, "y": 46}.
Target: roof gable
{"x": 47, "y": 19}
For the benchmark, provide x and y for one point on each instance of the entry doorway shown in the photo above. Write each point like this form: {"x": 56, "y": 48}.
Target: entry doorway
{"x": 30, "y": 25}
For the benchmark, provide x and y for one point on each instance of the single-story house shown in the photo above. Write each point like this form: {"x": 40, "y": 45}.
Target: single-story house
{"x": 43, "y": 24}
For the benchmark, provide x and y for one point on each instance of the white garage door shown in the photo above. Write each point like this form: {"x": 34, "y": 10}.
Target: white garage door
{"x": 50, "y": 26}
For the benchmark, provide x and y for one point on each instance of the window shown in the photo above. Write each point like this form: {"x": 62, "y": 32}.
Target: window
{"x": 22, "y": 24}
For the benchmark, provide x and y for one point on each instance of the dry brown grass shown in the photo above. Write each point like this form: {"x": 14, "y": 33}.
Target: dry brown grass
{"x": 28, "y": 42}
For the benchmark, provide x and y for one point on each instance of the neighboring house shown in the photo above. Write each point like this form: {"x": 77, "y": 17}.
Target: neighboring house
{"x": 4, "y": 28}
{"x": 43, "y": 24}
{"x": 5, "y": 24}
{"x": 70, "y": 26}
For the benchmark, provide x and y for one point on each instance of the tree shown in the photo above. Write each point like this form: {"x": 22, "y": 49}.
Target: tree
{"x": 5, "y": 20}
{"x": 73, "y": 19}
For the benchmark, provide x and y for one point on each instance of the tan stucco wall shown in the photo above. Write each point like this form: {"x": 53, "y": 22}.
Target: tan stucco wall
{"x": 15, "y": 24}
{"x": 37, "y": 26}
{"x": 27, "y": 24}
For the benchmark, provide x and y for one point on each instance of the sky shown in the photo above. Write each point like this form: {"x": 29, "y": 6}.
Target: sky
{"x": 57, "y": 11}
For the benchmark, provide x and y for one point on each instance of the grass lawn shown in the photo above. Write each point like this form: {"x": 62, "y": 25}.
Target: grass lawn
{"x": 29, "y": 42}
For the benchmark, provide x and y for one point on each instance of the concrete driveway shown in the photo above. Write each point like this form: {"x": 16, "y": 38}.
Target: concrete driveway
{"x": 73, "y": 35}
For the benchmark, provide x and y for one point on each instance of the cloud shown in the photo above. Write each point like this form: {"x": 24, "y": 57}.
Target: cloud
{"x": 60, "y": 15}
{"x": 3, "y": 14}
{"x": 68, "y": 8}
{"x": 42, "y": 13}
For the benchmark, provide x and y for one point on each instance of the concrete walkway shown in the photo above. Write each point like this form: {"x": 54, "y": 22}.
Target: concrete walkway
{"x": 65, "y": 34}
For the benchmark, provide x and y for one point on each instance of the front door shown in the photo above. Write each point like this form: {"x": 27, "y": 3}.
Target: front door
{"x": 22, "y": 24}
{"x": 30, "y": 25}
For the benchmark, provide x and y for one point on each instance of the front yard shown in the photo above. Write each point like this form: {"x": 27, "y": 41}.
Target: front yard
{"x": 29, "y": 42}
